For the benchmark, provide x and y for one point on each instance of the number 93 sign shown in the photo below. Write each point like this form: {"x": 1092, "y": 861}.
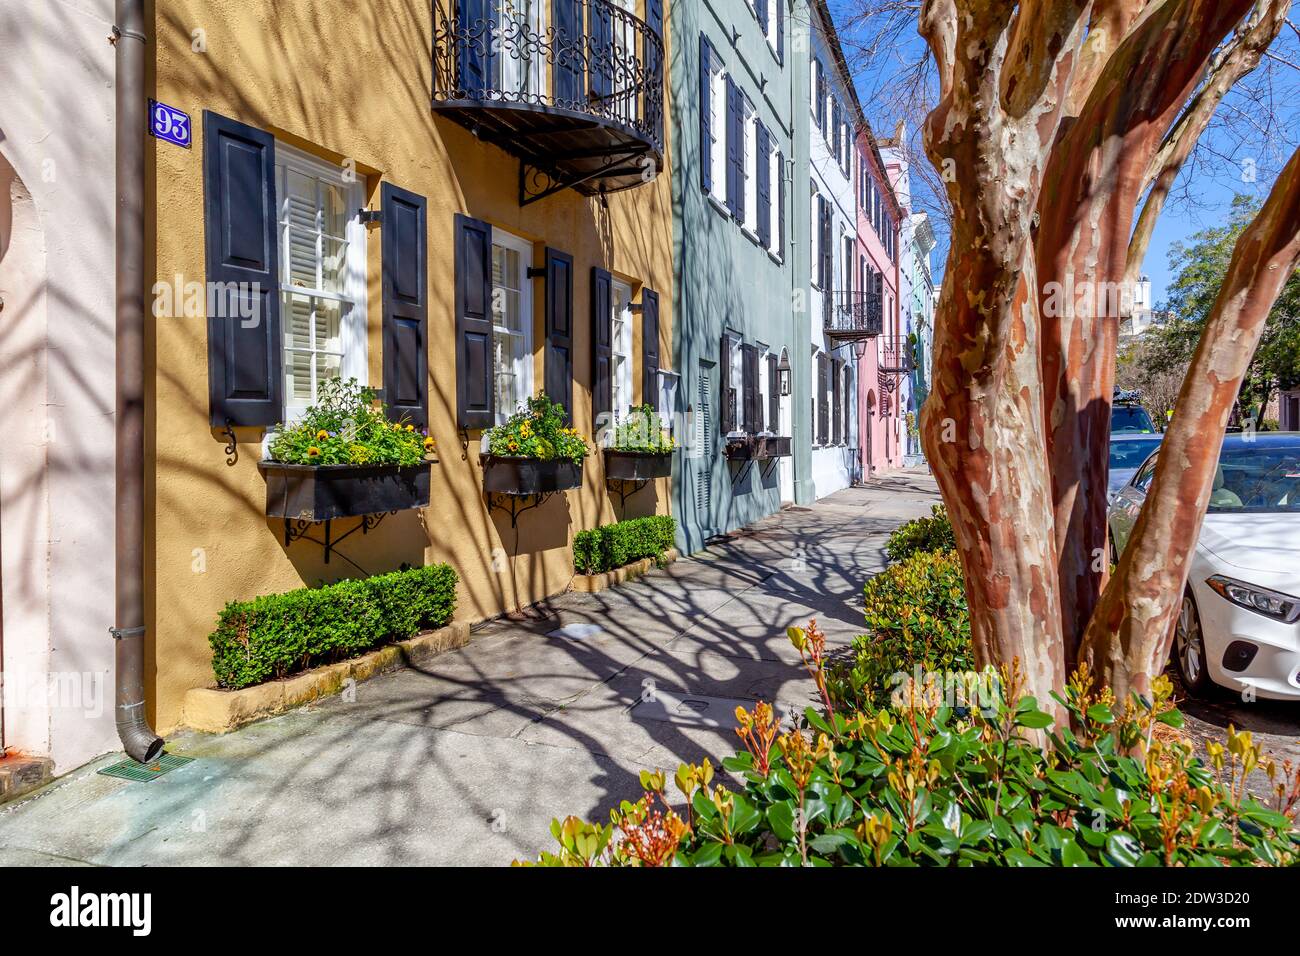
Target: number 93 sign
{"x": 168, "y": 123}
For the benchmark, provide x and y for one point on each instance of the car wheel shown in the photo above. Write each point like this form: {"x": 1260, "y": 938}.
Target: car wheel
{"x": 1189, "y": 650}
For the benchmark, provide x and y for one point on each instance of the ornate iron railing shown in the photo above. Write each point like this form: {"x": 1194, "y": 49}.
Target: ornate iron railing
{"x": 852, "y": 315}
{"x": 581, "y": 56}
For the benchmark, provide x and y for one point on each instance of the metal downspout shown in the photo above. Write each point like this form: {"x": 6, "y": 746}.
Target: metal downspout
{"x": 138, "y": 738}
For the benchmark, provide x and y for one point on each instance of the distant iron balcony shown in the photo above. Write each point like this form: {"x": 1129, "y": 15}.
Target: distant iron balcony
{"x": 852, "y": 315}
{"x": 574, "y": 88}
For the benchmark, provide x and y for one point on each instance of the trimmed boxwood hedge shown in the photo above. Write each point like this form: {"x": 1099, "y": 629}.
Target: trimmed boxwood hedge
{"x": 611, "y": 546}
{"x": 279, "y": 634}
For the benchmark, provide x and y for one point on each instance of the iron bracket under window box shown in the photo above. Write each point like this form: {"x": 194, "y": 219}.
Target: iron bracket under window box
{"x": 316, "y": 493}
{"x": 529, "y": 476}
{"x": 757, "y": 447}
{"x": 637, "y": 465}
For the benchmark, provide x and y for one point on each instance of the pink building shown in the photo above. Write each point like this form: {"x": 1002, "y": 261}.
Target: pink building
{"x": 876, "y": 278}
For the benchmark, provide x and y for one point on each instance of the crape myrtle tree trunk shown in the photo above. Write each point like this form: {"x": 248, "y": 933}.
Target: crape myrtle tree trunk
{"x": 1054, "y": 118}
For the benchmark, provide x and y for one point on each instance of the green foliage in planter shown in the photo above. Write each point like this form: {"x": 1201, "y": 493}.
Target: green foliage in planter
{"x": 643, "y": 431}
{"x": 348, "y": 425}
{"x": 922, "y": 534}
{"x": 538, "y": 431}
{"x": 939, "y": 787}
{"x": 916, "y": 616}
{"x": 613, "y": 545}
{"x": 275, "y": 635}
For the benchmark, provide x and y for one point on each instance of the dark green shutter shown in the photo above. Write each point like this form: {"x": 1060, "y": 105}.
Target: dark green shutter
{"x": 780, "y": 204}
{"x": 650, "y": 347}
{"x": 602, "y": 357}
{"x": 475, "y": 392}
{"x": 559, "y": 329}
{"x": 405, "y": 306}
{"x": 724, "y": 389}
{"x": 773, "y": 395}
{"x": 245, "y": 351}
{"x": 763, "y": 184}
{"x": 706, "y": 120}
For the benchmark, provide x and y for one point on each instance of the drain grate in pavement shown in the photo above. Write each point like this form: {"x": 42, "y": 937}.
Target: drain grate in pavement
{"x": 128, "y": 769}
{"x": 577, "y": 632}
{"x": 694, "y": 710}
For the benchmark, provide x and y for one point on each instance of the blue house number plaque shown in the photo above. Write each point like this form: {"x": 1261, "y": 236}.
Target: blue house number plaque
{"x": 168, "y": 123}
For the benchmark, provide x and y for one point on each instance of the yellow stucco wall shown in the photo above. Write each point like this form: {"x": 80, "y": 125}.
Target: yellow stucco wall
{"x": 352, "y": 81}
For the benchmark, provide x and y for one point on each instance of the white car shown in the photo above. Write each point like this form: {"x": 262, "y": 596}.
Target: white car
{"x": 1240, "y": 621}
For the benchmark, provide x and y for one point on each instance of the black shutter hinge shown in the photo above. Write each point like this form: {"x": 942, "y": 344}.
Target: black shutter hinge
{"x": 537, "y": 272}
{"x": 369, "y": 216}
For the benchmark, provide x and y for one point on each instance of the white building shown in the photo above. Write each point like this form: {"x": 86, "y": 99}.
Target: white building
{"x": 836, "y": 117}
{"x": 57, "y": 390}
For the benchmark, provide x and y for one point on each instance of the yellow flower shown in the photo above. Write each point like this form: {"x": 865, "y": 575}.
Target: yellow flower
{"x": 322, "y": 435}
{"x": 410, "y": 428}
{"x": 397, "y": 427}
{"x": 514, "y": 446}
{"x": 429, "y": 443}
{"x": 313, "y": 452}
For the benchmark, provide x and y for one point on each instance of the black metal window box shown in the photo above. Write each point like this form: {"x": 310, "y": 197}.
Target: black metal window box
{"x": 529, "y": 476}
{"x": 637, "y": 465}
{"x": 318, "y": 493}
{"x": 757, "y": 447}
{"x": 574, "y": 88}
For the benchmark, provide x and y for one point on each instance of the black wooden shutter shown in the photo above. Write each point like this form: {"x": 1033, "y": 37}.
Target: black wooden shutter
{"x": 567, "y": 70}
{"x": 559, "y": 329}
{"x": 474, "y": 47}
{"x": 823, "y": 409}
{"x": 405, "y": 306}
{"x": 724, "y": 390}
{"x": 650, "y": 347}
{"x": 779, "y": 13}
{"x": 735, "y": 150}
{"x": 245, "y": 357}
{"x": 602, "y": 350}
{"x": 706, "y": 119}
{"x": 835, "y": 402}
{"x": 475, "y": 390}
{"x": 773, "y": 394}
{"x": 780, "y": 202}
{"x": 760, "y": 8}
{"x": 827, "y": 250}
{"x": 600, "y": 26}
{"x": 763, "y": 185}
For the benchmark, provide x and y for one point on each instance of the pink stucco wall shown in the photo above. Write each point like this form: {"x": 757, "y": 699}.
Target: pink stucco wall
{"x": 881, "y": 438}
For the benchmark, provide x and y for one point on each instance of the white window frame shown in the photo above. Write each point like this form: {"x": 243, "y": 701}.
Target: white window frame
{"x": 764, "y": 389}
{"x": 522, "y": 361}
{"x": 353, "y": 361}
{"x": 717, "y": 107}
{"x": 815, "y": 241}
{"x": 774, "y": 172}
{"x": 737, "y": 377}
{"x": 620, "y": 344}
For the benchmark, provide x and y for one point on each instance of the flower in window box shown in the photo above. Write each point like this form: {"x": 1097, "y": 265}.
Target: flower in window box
{"x": 347, "y": 427}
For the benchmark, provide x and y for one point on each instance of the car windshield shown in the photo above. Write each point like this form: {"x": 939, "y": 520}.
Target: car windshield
{"x": 1130, "y": 418}
{"x": 1130, "y": 454}
{"x": 1257, "y": 476}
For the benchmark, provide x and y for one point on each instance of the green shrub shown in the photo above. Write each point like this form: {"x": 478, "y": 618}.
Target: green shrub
{"x": 938, "y": 787}
{"x": 643, "y": 431}
{"x": 613, "y": 545}
{"x": 278, "y": 634}
{"x": 922, "y": 534}
{"x": 916, "y": 617}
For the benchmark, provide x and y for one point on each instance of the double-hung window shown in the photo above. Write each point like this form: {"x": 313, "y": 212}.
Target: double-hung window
{"x": 322, "y": 275}
{"x": 512, "y": 322}
{"x": 717, "y": 126}
{"x": 620, "y": 341}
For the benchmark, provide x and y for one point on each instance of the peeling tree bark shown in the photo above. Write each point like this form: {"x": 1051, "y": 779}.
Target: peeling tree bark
{"x": 1044, "y": 123}
{"x": 1092, "y": 186}
{"x": 1128, "y": 639}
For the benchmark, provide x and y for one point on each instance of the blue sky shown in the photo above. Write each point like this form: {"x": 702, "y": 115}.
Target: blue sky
{"x": 1258, "y": 123}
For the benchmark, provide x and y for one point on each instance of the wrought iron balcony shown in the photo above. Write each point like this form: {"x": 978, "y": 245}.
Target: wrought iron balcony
{"x": 852, "y": 316}
{"x": 574, "y": 88}
{"x": 896, "y": 356}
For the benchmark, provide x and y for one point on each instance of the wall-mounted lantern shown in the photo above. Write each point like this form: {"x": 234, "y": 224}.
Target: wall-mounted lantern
{"x": 783, "y": 374}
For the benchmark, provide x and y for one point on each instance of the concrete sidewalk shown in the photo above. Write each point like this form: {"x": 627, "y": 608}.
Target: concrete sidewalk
{"x": 467, "y": 761}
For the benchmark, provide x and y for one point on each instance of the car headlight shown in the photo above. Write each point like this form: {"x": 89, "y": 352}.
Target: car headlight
{"x": 1274, "y": 604}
